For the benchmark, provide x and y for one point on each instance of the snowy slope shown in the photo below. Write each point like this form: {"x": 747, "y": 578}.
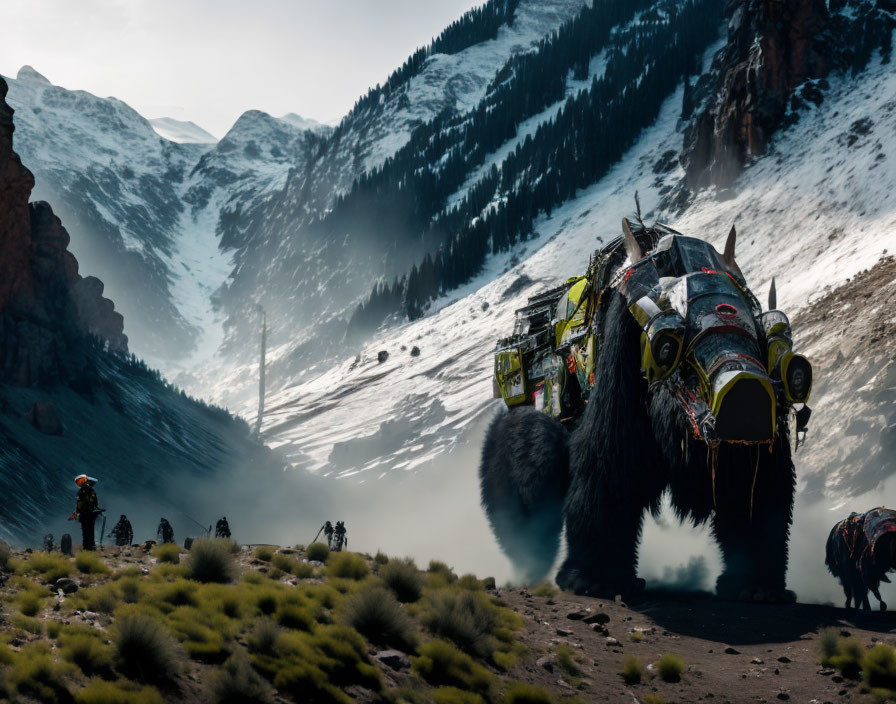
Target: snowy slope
{"x": 181, "y": 131}
{"x": 813, "y": 212}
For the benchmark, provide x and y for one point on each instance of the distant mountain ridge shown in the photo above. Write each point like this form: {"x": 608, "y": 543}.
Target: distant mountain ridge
{"x": 147, "y": 212}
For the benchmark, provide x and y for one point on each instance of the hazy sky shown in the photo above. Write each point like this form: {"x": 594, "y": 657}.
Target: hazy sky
{"x": 210, "y": 60}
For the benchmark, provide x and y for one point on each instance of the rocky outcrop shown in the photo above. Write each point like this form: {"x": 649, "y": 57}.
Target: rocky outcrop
{"x": 772, "y": 48}
{"x": 46, "y": 308}
{"x": 774, "y": 63}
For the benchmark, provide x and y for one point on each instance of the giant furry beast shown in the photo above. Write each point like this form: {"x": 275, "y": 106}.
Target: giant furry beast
{"x": 720, "y": 447}
{"x": 860, "y": 550}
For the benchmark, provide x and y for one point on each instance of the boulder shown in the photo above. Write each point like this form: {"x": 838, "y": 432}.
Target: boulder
{"x": 66, "y": 585}
{"x": 394, "y": 659}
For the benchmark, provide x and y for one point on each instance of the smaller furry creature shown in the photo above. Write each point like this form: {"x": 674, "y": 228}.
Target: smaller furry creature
{"x": 861, "y": 549}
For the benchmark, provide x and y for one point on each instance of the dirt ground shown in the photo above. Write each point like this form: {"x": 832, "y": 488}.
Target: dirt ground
{"x": 733, "y": 652}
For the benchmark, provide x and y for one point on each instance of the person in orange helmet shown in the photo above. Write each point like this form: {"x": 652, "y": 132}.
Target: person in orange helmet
{"x": 86, "y": 510}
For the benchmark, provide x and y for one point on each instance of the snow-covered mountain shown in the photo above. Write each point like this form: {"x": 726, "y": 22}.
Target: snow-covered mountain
{"x": 182, "y": 131}
{"x": 155, "y": 217}
{"x": 814, "y": 208}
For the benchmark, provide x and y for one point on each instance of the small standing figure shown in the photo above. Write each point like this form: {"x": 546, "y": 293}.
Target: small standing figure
{"x": 222, "y": 528}
{"x": 86, "y": 510}
{"x": 49, "y": 543}
{"x": 65, "y": 545}
{"x": 165, "y": 533}
{"x": 340, "y": 539}
{"x": 123, "y": 532}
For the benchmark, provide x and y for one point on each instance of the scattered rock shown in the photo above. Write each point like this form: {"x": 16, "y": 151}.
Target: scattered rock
{"x": 485, "y": 305}
{"x": 784, "y": 659}
{"x": 576, "y": 615}
{"x": 731, "y": 651}
{"x": 612, "y": 641}
{"x": 784, "y": 696}
{"x": 65, "y": 585}
{"x": 382, "y": 356}
{"x": 757, "y": 661}
{"x": 600, "y": 617}
{"x": 415, "y": 351}
{"x": 643, "y": 630}
{"x": 547, "y": 662}
{"x": 846, "y": 634}
{"x": 563, "y": 632}
{"x": 394, "y": 659}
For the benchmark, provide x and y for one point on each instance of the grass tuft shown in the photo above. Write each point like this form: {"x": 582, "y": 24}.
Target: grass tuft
{"x": 879, "y": 668}
{"x": 211, "y": 560}
{"x": 546, "y": 590}
{"x": 263, "y": 638}
{"x": 381, "y": 558}
{"x": 145, "y": 648}
{"x": 375, "y": 614}
{"x": 318, "y": 551}
{"x": 632, "y": 671}
{"x": 520, "y": 693}
{"x": 403, "y": 578}
{"x": 85, "y": 649}
{"x": 167, "y": 552}
{"x": 237, "y": 683}
{"x": 88, "y": 562}
{"x": 848, "y": 658}
{"x": 463, "y": 617}
{"x": 566, "y": 661}
{"x": 264, "y": 553}
{"x": 441, "y": 663}
{"x": 99, "y": 691}
{"x": 669, "y": 667}
{"x": 347, "y": 565}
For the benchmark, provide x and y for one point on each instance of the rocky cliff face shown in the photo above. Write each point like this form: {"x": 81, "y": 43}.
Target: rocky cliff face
{"x": 46, "y": 307}
{"x": 772, "y": 48}
{"x": 774, "y": 64}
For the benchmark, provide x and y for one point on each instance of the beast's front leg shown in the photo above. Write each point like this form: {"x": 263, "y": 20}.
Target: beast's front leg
{"x": 753, "y": 523}
{"x": 602, "y": 532}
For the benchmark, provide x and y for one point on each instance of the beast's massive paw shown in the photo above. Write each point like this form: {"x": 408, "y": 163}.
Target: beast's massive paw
{"x": 732, "y": 587}
{"x": 600, "y": 586}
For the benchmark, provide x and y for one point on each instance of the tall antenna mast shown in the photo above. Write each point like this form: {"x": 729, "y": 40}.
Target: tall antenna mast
{"x": 261, "y": 365}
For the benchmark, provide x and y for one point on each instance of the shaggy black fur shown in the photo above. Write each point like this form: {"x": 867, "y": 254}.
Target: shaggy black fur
{"x": 524, "y": 477}
{"x": 843, "y": 553}
{"x": 629, "y": 448}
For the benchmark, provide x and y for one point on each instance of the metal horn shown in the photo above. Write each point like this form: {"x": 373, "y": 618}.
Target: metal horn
{"x": 728, "y": 256}
{"x": 772, "y": 296}
{"x": 632, "y": 248}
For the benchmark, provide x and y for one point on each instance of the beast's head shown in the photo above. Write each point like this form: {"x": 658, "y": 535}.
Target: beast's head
{"x": 729, "y": 364}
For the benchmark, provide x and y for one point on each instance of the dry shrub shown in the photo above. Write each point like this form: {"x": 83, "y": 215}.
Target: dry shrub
{"x": 318, "y": 551}
{"x": 99, "y": 691}
{"x": 403, "y": 578}
{"x": 632, "y": 671}
{"x": 88, "y": 562}
{"x": 347, "y": 565}
{"x": 167, "y": 552}
{"x": 464, "y": 617}
{"x": 520, "y": 693}
{"x": 441, "y": 663}
{"x": 670, "y": 667}
{"x": 145, "y": 648}
{"x": 264, "y": 553}
{"x": 376, "y": 615}
{"x": 211, "y": 560}
{"x": 237, "y": 683}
